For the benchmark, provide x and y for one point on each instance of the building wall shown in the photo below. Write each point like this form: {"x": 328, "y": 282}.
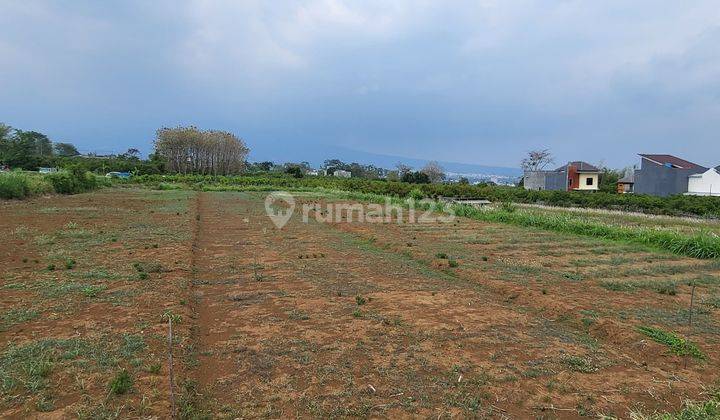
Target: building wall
{"x": 583, "y": 182}
{"x": 660, "y": 180}
{"x": 706, "y": 184}
{"x": 545, "y": 180}
{"x": 556, "y": 181}
{"x": 534, "y": 180}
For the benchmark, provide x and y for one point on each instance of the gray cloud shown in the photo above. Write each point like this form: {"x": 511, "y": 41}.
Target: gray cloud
{"x": 478, "y": 82}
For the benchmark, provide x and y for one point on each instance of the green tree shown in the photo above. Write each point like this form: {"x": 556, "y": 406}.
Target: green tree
{"x": 65, "y": 149}
{"x": 41, "y": 144}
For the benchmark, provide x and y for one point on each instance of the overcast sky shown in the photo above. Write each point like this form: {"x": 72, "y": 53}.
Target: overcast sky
{"x": 466, "y": 81}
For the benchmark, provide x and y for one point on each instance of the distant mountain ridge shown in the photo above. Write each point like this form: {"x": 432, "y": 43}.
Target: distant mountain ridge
{"x": 310, "y": 155}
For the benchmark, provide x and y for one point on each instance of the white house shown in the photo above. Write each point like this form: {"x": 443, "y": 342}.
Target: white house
{"x": 342, "y": 174}
{"x": 706, "y": 183}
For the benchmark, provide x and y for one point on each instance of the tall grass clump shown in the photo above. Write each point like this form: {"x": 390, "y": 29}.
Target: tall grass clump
{"x": 705, "y": 245}
{"x": 14, "y": 185}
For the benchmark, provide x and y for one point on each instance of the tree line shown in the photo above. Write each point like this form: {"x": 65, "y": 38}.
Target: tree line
{"x": 185, "y": 150}
{"x": 209, "y": 152}
{"x": 30, "y": 149}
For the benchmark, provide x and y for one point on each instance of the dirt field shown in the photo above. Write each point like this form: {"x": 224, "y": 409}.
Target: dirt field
{"x": 466, "y": 319}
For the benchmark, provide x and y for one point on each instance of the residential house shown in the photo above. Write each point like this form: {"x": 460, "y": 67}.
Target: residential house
{"x": 664, "y": 175}
{"x": 706, "y": 183}
{"x": 575, "y": 176}
{"x": 342, "y": 173}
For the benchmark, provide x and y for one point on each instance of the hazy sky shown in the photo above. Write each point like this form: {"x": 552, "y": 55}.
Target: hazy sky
{"x": 466, "y": 81}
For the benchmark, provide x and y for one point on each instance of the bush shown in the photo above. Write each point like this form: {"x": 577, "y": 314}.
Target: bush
{"x": 14, "y": 185}
{"x": 73, "y": 181}
{"x": 416, "y": 194}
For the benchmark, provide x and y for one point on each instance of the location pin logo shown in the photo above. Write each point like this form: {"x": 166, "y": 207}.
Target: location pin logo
{"x": 279, "y": 206}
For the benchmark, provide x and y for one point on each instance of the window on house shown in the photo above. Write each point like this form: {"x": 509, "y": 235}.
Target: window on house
{"x": 588, "y": 181}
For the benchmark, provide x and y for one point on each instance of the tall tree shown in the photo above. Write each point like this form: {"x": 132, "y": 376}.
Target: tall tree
{"x": 39, "y": 141}
{"x": 434, "y": 172}
{"x": 132, "y": 153}
{"x": 65, "y": 149}
{"x": 402, "y": 169}
{"x": 537, "y": 160}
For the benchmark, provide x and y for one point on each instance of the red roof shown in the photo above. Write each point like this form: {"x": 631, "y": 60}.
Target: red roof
{"x": 672, "y": 160}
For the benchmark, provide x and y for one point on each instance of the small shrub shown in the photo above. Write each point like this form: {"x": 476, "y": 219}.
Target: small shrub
{"x": 441, "y": 255}
{"x": 453, "y": 263}
{"x": 357, "y": 313}
{"x": 508, "y": 207}
{"x": 573, "y": 276}
{"x": 121, "y": 383}
{"x": 667, "y": 289}
{"x": 360, "y": 300}
{"x": 416, "y": 194}
{"x": 143, "y": 275}
{"x": 69, "y": 264}
{"x": 51, "y": 267}
{"x": 154, "y": 368}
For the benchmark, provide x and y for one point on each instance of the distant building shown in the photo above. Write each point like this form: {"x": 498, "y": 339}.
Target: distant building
{"x": 626, "y": 184}
{"x": 47, "y": 170}
{"x": 342, "y": 173}
{"x": 706, "y": 183}
{"x": 664, "y": 175}
{"x": 575, "y": 176}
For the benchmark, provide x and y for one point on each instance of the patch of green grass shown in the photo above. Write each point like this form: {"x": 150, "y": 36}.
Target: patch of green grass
{"x": 713, "y": 301}
{"x": 573, "y": 276}
{"x": 360, "y": 300}
{"x": 27, "y": 367}
{"x": 298, "y": 314}
{"x": 92, "y": 290}
{"x": 17, "y": 316}
{"x": 678, "y": 345}
{"x": 154, "y": 368}
{"x": 148, "y": 267}
{"x": 580, "y": 364}
{"x": 667, "y": 287}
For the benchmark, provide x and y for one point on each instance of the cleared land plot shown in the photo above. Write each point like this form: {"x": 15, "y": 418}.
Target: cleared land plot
{"x": 337, "y": 319}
